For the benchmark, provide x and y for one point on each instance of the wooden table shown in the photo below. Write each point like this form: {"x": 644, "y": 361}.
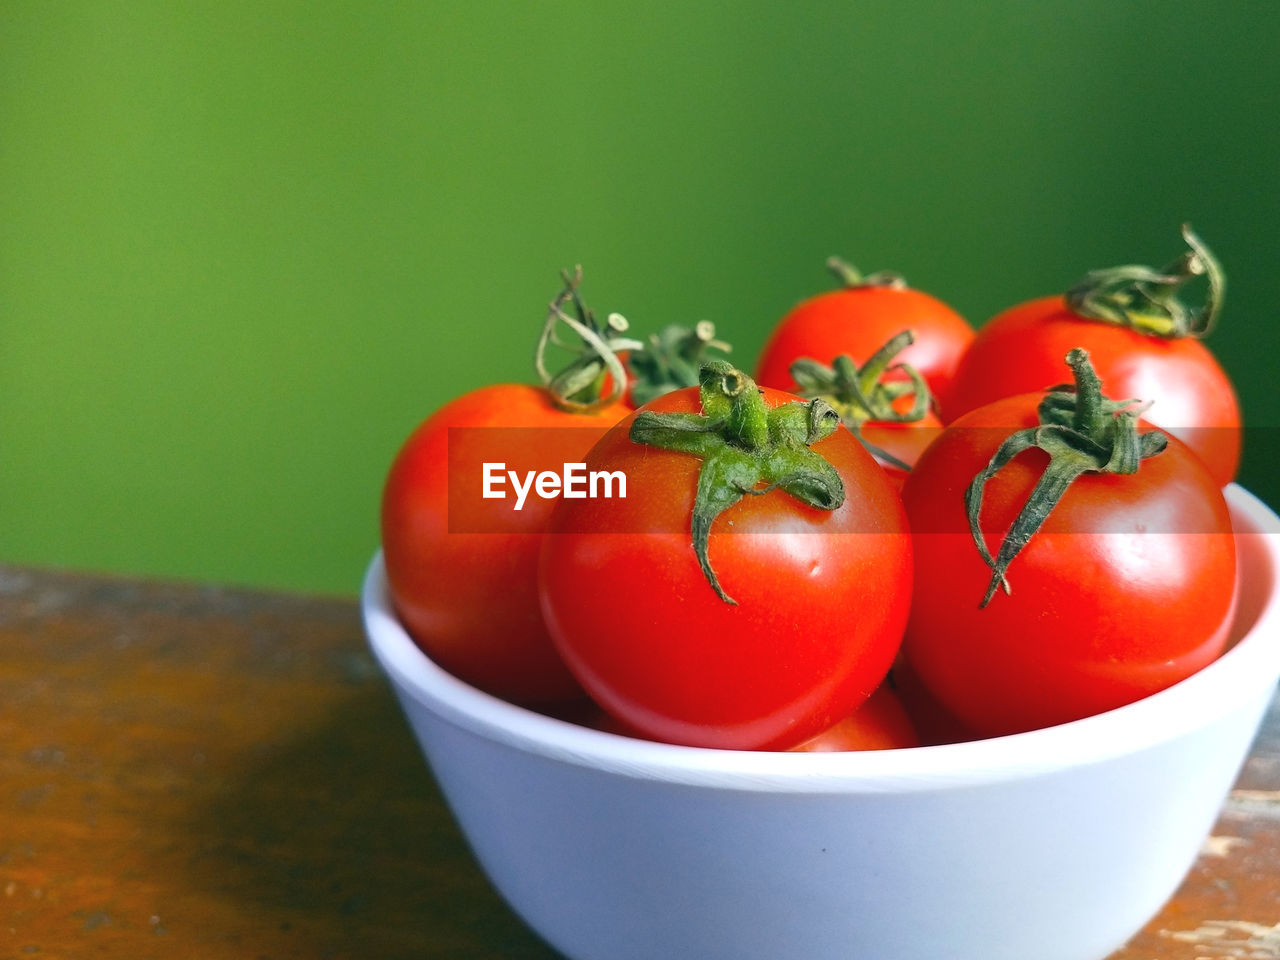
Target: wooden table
{"x": 195, "y": 771}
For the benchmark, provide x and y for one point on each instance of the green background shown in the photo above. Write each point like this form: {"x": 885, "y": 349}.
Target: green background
{"x": 246, "y": 246}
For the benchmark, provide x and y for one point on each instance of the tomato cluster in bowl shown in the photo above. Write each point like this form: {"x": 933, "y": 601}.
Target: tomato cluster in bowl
{"x": 899, "y": 531}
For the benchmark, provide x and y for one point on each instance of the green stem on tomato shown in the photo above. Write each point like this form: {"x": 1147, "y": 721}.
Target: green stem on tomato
{"x": 851, "y": 278}
{"x": 1146, "y": 299}
{"x": 671, "y": 358}
{"x": 863, "y": 395}
{"x": 1082, "y": 431}
{"x": 579, "y": 386}
{"x": 746, "y": 448}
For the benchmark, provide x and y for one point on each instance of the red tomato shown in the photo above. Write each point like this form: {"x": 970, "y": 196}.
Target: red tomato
{"x": 881, "y": 723}
{"x": 857, "y": 320}
{"x": 462, "y": 568}
{"x": 821, "y": 595}
{"x": 1127, "y": 587}
{"x": 1021, "y": 351}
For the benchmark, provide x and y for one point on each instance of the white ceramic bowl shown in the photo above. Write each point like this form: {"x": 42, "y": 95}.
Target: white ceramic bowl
{"x": 1057, "y": 844}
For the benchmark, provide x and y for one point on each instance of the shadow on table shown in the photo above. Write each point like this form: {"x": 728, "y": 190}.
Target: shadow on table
{"x": 338, "y": 844}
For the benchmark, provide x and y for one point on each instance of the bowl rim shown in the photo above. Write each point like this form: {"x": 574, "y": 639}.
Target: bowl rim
{"x": 1236, "y": 680}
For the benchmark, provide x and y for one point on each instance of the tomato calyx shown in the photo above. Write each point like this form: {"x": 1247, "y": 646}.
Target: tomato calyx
{"x": 670, "y": 359}
{"x": 1082, "y": 431}
{"x": 744, "y": 444}
{"x": 862, "y": 394}
{"x": 851, "y": 278}
{"x": 1146, "y": 299}
{"x": 579, "y": 386}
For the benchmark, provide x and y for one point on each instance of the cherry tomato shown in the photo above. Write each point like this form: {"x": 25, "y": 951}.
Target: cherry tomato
{"x": 857, "y": 320}
{"x": 462, "y": 568}
{"x": 460, "y": 528}
{"x": 1127, "y": 587}
{"x": 1191, "y": 396}
{"x": 881, "y": 723}
{"x": 1021, "y": 350}
{"x": 795, "y": 627}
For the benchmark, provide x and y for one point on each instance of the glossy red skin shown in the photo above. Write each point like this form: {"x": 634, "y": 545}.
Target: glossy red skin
{"x": 1022, "y": 351}
{"x": 469, "y": 599}
{"x": 822, "y": 597}
{"x": 905, "y": 441}
{"x": 1095, "y": 619}
{"x": 881, "y": 723}
{"x": 858, "y": 321}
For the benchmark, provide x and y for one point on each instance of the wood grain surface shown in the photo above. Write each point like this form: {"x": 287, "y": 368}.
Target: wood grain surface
{"x": 196, "y": 771}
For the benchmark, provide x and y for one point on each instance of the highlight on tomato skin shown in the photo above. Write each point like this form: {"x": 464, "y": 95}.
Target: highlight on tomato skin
{"x": 818, "y": 598}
